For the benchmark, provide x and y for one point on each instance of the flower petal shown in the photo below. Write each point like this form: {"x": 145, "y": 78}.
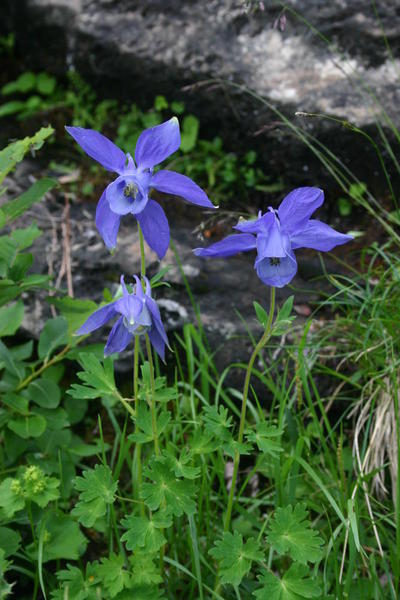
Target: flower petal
{"x": 157, "y": 342}
{"x": 156, "y": 317}
{"x": 107, "y": 222}
{"x": 297, "y": 207}
{"x": 277, "y": 275}
{"x": 275, "y": 243}
{"x": 240, "y": 242}
{"x": 99, "y": 147}
{"x": 118, "y": 339}
{"x": 155, "y": 228}
{"x": 261, "y": 224}
{"x": 130, "y": 307}
{"x": 156, "y": 143}
{"x": 118, "y": 202}
{"x": 98, "y": 318}
{"x": 180, "y": 185}
{"x": 319, "y": 236}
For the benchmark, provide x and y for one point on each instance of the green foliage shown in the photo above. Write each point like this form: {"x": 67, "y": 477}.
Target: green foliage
{"x": 113, "y": 575}
{"x": 98, "y": 378}
{"x": 40, "y": 89}
{"x": 32, "y": 485}
{"x": 296, "y": 584}
{"x": 166, "y": 489}
{"x": 146, "y": 533}
{"x": 97, "y": 491}
{"x": 290, "y": 532}
{"x": 267, "y": 437}
{"x": 235, "y": 557}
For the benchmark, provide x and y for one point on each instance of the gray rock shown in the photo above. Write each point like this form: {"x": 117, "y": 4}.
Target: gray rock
{"x": 135, "y": 49}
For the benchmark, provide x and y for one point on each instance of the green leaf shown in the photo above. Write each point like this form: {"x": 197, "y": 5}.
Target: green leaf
{"x": 261, "y": 313}
{"x": 97, "y": 489}
{"x": 284, "y": 319}
{"x": 78, "y": 585}
{"x": 38, "y": 487}
{"x": 345, "y": 207}
{"x": 44, "y": 392}
{"x": 265, "y": 437}
{"x": 25, "y": 83}
{"x": 29, "y": 426}
{"x": 45, "y": 84}
{"x": 54, "y": 334}
{"x": 11, "y": 318}
{"x": 296, "y": 584}
{"x": 145, "y": 426}
{"x": 15, "y": 208}
{"x": 234, "y": 557}
{"x": 177, "y": 107}
{"x": 113, "y": 575}
{"x": 290, "y": 532}
{"x": 11, "y": 497}
{"x": 167, "y": 489}
{"x": 160, "y": 103}
{"x": 62, "y": 538}
{"x": 17, "y": 403}
{"x": 162, "y": 393}
{"x": 55, "y": 418}
{"x": 74, "y": 310}
{"x": 189, "y": 133}
{"x": 217, "y": 422}
{"x": 145, "y": 532}
{"x": 97, "y": 377}
{"x": 15, "y": 152}
{"x": 10, "y": 363}
{"x": 9, "y": 541}
{"x": 145, "y": 572}
{"x": 181, "y": 465}
{"x": 11, "y": 108}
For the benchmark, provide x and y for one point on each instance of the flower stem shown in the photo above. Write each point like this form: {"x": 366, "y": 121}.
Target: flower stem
{"x": 153, "y": 400}
{"x": 266, "y": 335}
{"x": 142, "y": 255}
{"x": 138, "y": 446}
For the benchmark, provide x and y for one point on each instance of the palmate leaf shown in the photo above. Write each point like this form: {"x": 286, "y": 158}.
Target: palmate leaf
{"x": 79, "y": 585}
{"x": 97, "y": 490}
{"x": 146, "y": 532}
{"x": 235, "y": 557}
{"x": 98, "y": 378}
{"x": 166, "y": 488}
{"x": 145, "y": 424}
{"x": 290, "y": 532}
{"x": 145, "y": 573}
{"x": 182, "y": 464}
{"x": 61, "y": 538}
{"x": 296, "y": 584}
{"x": 217, "y": 422}
{"x": 267, "y": 439}
{"x": 112, "y": 574}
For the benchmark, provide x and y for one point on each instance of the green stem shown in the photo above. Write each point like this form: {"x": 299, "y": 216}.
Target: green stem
{"x": 142, "y": 256}
{"x": 138, "y": 447}
{"x": 45, "y": 366}
{"x": 236, "y": 460}
{"x": 153, "y": 400}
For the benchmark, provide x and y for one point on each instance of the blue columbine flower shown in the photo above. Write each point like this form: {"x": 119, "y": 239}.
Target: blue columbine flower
{"x": 138, "y": 314}
{"x": 129, "y": 193}
{"x": 277, "y": 233}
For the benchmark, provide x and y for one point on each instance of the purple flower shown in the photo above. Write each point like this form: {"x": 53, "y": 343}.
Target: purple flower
{"x": 277, "y": 233}
{"x": 129, "y": 192}
{"x": 138, "y": 314}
